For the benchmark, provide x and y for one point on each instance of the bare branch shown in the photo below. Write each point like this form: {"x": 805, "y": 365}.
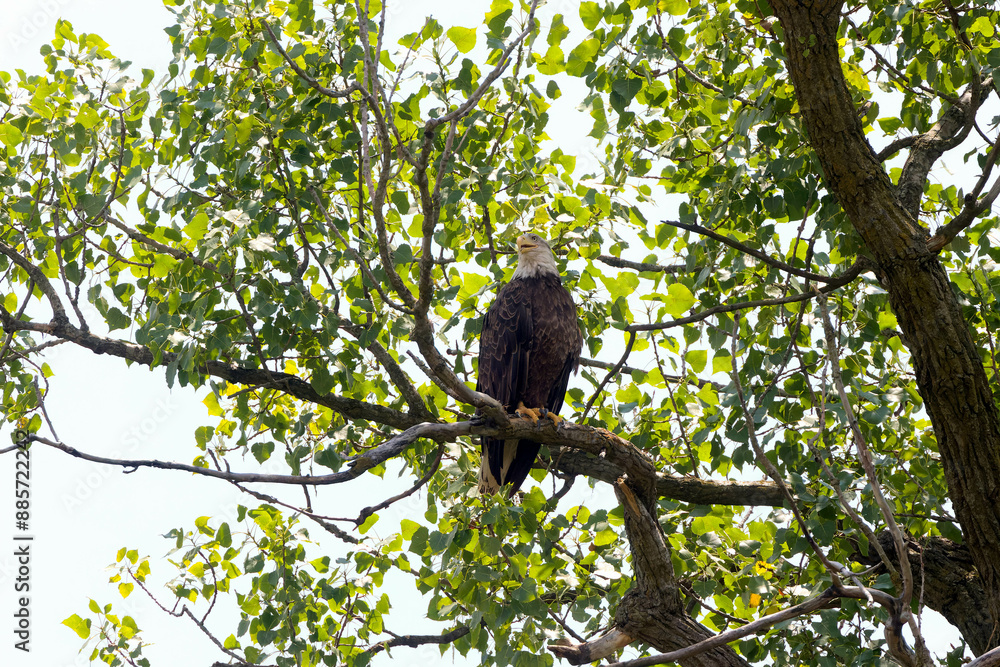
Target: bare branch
{"x": 592, "y": 651}
{"x": 597, "y": 442}
{"x": 861, "y": 266}
{"x": 684, "y": 489}
{"x": 646, "y": 267}
{"x": 423, "y": 336}
{"x": 906, "y": 595}
{"x": 286, "y": 382}
{"x": 176, "y": 253}
{"x": 494, "y": 74}
{"x": 772, "y": 471}
{"x": 973, "y": 207}
{"x": 664, "y": 43}
{"x": 356, "y": 256}
{"x": 988, "y": 659}
{"x": 368, "y": 511}
{"x": 895, "y": 146}
{"x": 753, "y": 252}
{"x": 413, "y": 641}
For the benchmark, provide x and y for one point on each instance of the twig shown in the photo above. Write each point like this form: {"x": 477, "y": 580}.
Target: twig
{"x": 611, "y": 373}
{"x": 835, "y": 569}
{"x": 864, "y": 455}
{"x": 356, "y": 256}
{"x": 368, "y": 511}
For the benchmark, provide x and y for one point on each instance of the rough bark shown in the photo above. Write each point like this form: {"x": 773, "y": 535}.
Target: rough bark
{"x": 949, "y": 373}
{"x": 653, "y": 611}
{"x": 685, "y": 489}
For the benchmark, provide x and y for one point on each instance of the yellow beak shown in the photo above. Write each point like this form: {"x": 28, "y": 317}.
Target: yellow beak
{"x": 524, "y": 244}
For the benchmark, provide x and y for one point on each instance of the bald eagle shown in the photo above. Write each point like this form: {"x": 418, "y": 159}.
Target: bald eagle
{"x": 529, "y": 347}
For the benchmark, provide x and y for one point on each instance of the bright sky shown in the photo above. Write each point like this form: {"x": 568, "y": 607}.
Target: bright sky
{"x": 83, "y": 513}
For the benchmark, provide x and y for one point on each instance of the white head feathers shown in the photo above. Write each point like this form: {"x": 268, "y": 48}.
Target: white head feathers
{"x": 535, "y": 258}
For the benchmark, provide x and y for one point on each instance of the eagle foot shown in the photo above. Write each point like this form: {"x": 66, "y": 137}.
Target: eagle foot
{"x": 534, "y": 414}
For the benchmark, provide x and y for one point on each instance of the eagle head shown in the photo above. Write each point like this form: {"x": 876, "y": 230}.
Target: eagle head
{"x": 534, "y": 257}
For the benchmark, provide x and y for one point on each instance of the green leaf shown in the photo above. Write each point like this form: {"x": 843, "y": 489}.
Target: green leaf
{"x": 887, "y": 320}
{"x": 463, "y": 38}
{"x": 81, "y": 626}
{"x": 590, "y": 14}
{"x": 889, "y": 125}
{"x": 198, "y": 227}
{"x": 697, "y": 359}
{"x": 605, "y": 537}
{"x": 496, "y": 18}
{"x": 128, "y": 628}
{"x": 212, "y": 403}
{"x": 408, "y": 528}
{"x": 552, "y": 62}
{"x": 223, "y": 536}
{"x": 10, "y": 135}
{"x": 262, "y": 450}
{"x": 722, "y": 362}
{"x": 673, "y": 7}
{"x": 621, "y": 285}
{"x": 581, "y": 59}
{"x": 322, "y": 381}
{"x": 679, "y": 300}
{"x": 984, "y": 26}
{"x": 369, "y": 522}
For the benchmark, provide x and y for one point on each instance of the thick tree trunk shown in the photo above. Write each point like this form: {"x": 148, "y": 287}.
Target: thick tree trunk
{"x": 949, "y": 373}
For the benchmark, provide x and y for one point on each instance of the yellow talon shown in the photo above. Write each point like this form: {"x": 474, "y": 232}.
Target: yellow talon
{"x": 527, "y": 413}
{"x": 534, "y": 414}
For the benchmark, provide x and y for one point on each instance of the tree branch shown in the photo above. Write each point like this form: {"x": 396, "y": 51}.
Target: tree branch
{"x": 753, "y": 252}
{"x": 973, "y": 207}
{"x": 684, "y": 489}
{"x": 596, "y": 442}
{"x": 329, "y": 92}
{"x": 821, "y": 601}
{"x": 906, "y": 595}
{"x": 861, "y": 266}
{"x": 951, "y": 130}
{"x": 290, "y": 384}
{"x": 413, "y": 641}
{"x": 646, "y": 267}
{"x": 36, "y": 275}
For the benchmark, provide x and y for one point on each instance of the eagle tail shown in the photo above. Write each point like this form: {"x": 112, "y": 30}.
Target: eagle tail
{"x": 506, "y": 462}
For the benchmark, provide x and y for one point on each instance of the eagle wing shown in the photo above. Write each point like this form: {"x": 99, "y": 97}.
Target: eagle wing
{"x": 504, "y": 355}
{"x": 505, "y": 347}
